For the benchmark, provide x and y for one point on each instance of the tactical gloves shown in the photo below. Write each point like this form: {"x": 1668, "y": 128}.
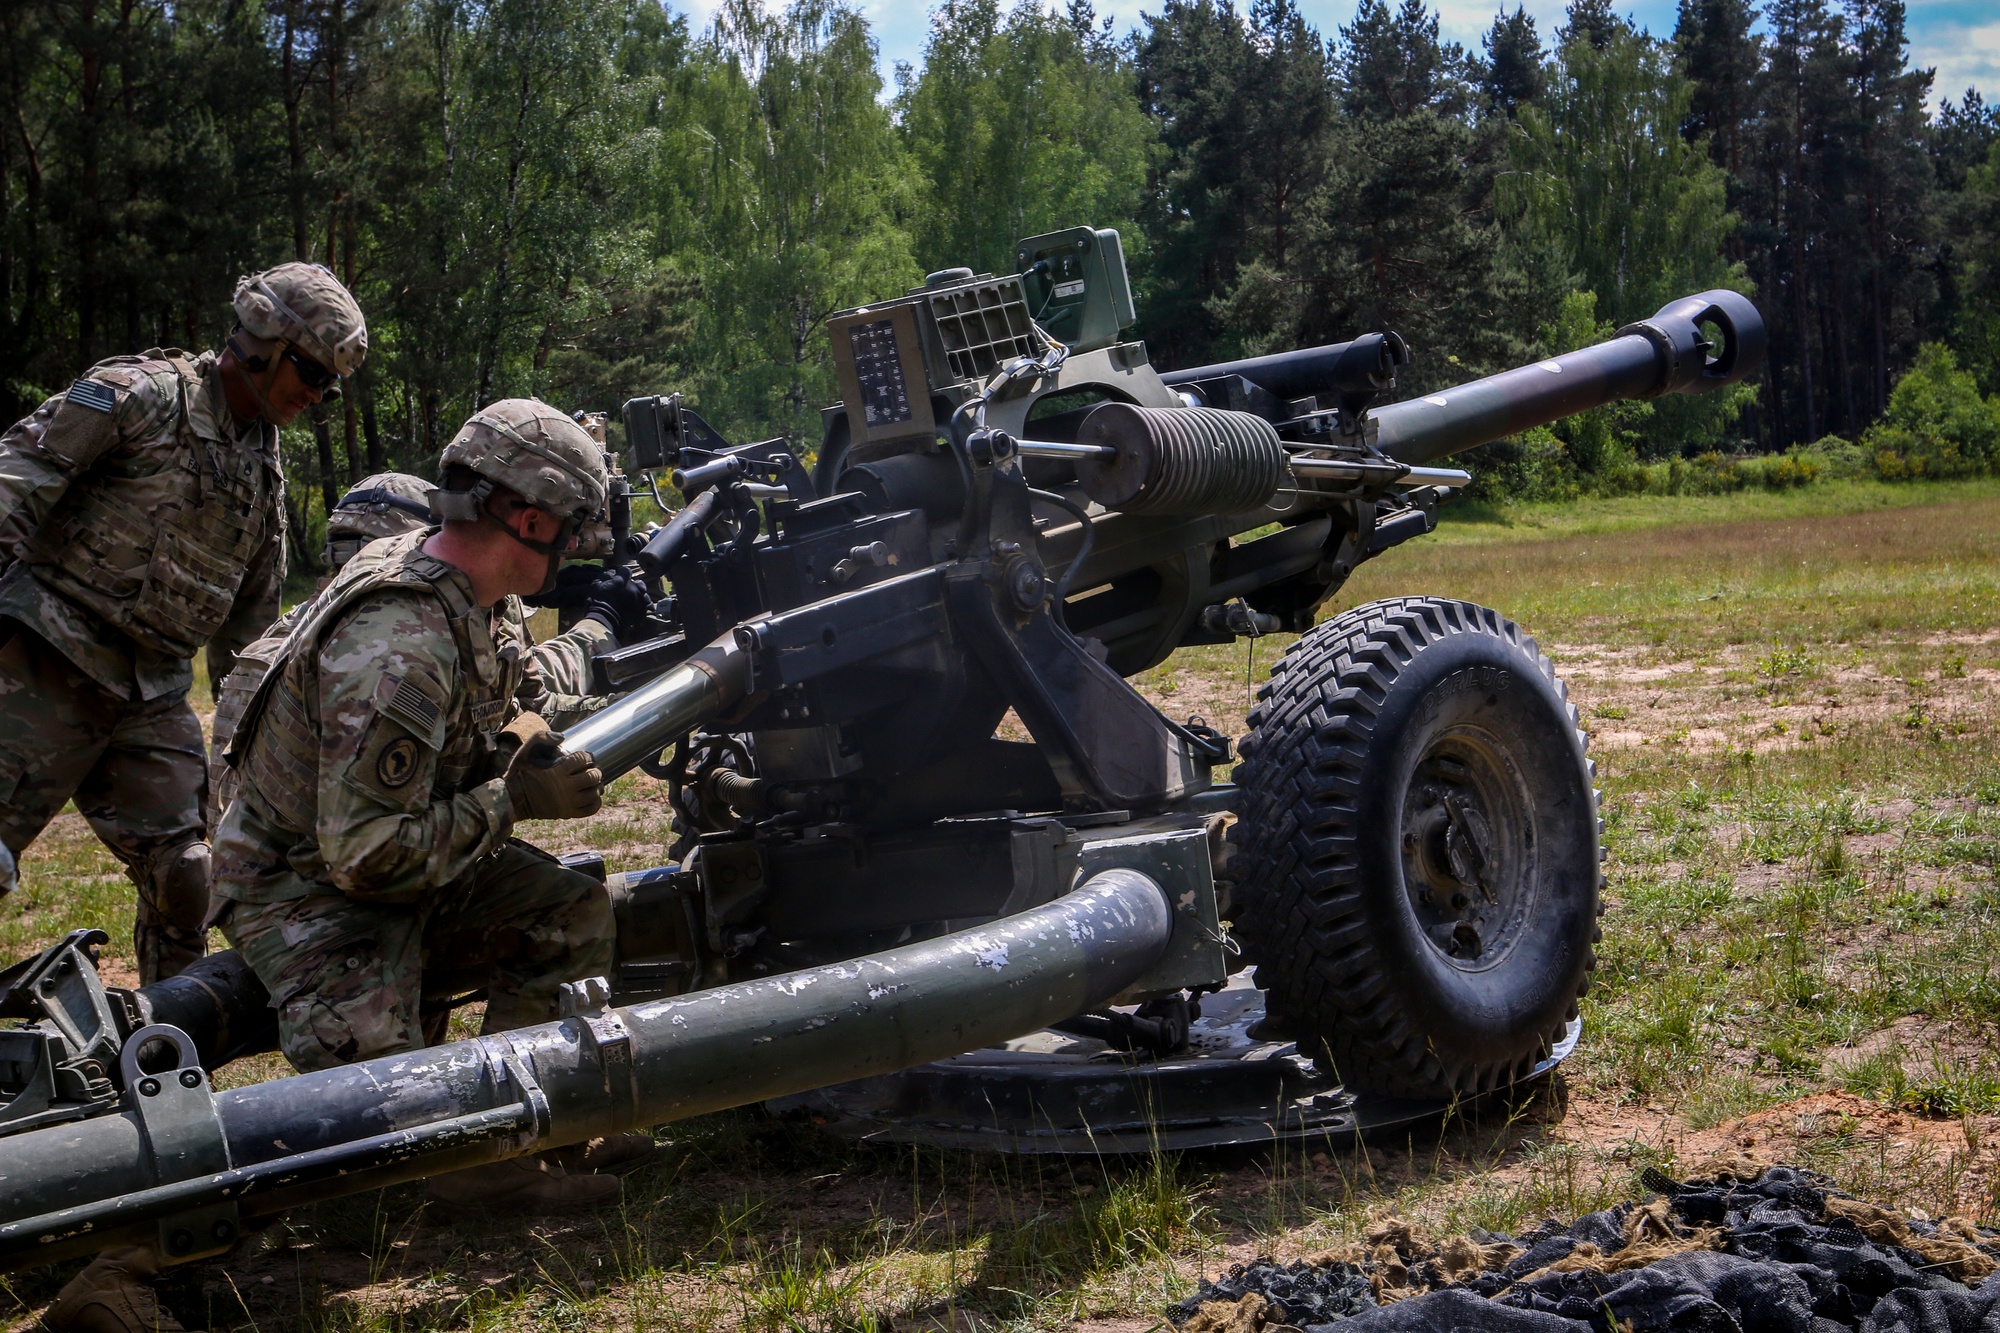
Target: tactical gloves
{"x": 618, "y": 598}
{"x": 612, "y": 595}
{"x": 542, "y": 781}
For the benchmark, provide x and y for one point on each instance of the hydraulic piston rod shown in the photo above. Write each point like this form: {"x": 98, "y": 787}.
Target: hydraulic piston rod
{"x": 86, "y": 1185}
{"x": 648, "y": 720}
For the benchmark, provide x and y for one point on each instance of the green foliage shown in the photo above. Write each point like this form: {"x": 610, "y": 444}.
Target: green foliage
{"x": 798, "y": 207}
{"x": 1244, "y": 108}
{"x": 1019, "y": 124}
{"x": 1977, "y": 332}
{"x": 594, "y": 199}
{"x": 1638, "y": 212}
{"x": 1605, "y": 178}
{"x": 1938, "y": 423}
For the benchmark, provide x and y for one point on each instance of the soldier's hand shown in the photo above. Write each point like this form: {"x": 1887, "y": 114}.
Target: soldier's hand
{"x": 530, "y": 733}
{"x": 618, "y": 599}
{"x": 567, "y": 786}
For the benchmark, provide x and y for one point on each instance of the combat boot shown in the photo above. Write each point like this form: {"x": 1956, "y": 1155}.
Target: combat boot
{"x": 528, "y": 1183}
{"x": 113, "y": 1295}
{"x": 606, "y": 1154}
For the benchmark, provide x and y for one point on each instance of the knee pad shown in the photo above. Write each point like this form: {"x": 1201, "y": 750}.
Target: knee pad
{"x": 182, "y": 896}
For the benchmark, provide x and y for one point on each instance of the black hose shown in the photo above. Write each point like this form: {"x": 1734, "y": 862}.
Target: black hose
{"x": 1082, "y": 551}
{"x": 961, "y": 453}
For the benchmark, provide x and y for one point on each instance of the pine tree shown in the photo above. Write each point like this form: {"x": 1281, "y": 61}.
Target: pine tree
{"x": 1894, "y": 185}
{"x": 1976, "y": 324}
{"x": 1801, "y": 100}
{"x": 1592, "y": 23}
{"x": 1719, "y": 54}
{"x": 1961, "y": 135}
{"x": 1514, "y": 56}
{"x": 1389, "y": 65}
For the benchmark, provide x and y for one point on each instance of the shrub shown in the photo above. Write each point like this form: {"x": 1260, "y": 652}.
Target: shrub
{"x": 1938, "y": 423}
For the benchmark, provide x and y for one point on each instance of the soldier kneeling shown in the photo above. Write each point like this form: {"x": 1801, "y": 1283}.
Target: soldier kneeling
{"x": 366, "y": 862}
{"x": 383, "y": 734}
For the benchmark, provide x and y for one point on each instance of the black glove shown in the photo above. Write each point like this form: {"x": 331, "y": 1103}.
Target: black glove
{"x": 573, "y": 584}
{"x": 617, "y": 599}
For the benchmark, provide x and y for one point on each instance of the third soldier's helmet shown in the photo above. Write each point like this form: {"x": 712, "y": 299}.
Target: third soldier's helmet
{"x": 306, "y": 306}
{"x": 384, "y": 505}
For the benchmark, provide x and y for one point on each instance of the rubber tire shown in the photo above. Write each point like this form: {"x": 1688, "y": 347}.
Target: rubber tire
{"x": 1320, "y": 896}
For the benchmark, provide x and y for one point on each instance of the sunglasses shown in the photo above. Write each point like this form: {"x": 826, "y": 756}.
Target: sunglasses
{"x": 310, "y": 372}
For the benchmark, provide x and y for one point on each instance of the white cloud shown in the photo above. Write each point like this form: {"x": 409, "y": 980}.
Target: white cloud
{"x": 1965, "y": 57}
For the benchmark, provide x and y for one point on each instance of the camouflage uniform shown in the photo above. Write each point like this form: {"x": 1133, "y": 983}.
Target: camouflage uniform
{"x": 371, "y": 510}
{"x": 366, "y": 860}
{"x": 138, "y": 522}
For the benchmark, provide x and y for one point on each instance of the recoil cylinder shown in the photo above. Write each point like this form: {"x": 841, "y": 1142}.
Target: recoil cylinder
{"x": 1180, "y": 460}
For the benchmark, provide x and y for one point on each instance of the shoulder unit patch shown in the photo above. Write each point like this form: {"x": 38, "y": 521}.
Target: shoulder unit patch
{"x": 397, "y": 763}
{"x": 93, "y": 394}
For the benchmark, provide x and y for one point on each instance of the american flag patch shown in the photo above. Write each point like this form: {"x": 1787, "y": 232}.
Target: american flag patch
{"x": 411, "y": 704}
{"x": 93, "y": 394}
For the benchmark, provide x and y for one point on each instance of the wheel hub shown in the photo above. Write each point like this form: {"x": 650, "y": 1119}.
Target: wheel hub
{"x": 1468, "y": 847}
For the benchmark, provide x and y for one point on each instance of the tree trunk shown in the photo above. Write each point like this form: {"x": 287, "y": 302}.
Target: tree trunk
{"x": 294, "y": 92}
{"x": 329, "y": 486}
{"x": 1802, "y": 322}
{"x": 364, "y": 387}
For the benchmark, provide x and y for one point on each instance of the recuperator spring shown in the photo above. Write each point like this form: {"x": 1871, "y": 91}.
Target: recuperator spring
{"x": 1180, "y": 460}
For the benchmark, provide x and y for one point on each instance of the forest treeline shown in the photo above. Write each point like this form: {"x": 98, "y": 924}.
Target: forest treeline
{"x": 591, "y": 199}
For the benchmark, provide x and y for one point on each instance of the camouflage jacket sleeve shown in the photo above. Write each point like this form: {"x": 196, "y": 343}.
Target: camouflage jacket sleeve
{"x": 43, "y": 453}
{"x": 389, "y": 680}
{"x": 258, "y": 601}
{"x": 556, "y": 682}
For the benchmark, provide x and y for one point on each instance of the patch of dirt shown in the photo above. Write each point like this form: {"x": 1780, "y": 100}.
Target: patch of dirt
{"x": 1741, "y": 697}
{"x": 1920, "y": 1043}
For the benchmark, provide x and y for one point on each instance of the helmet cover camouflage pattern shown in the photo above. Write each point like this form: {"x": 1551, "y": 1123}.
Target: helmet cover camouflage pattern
{"x": 535, "y": 451}
{"x": 384, "y": 505}
{"x": 306, "y": 306}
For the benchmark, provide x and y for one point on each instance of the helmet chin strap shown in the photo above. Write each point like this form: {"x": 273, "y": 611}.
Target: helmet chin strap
{"x": 553, "y": 551}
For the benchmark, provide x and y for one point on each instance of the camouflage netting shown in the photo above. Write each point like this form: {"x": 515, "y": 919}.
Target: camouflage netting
{"x": 1758, "y": 1250}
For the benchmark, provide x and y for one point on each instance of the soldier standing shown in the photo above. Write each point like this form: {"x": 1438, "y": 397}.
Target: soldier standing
{"x": 142, "y": 518}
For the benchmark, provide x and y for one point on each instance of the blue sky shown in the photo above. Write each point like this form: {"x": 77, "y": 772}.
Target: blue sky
{"x": 1960, "y": 38}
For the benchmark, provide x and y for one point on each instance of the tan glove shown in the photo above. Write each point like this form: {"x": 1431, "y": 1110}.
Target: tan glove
{"x": 543, "y": 782}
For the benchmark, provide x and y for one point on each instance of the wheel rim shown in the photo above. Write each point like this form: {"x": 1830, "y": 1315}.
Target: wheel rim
{"x": 1468, "y": 848}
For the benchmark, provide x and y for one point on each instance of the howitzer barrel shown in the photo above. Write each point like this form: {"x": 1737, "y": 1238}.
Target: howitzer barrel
{"x": 1668, "y": 353}
{"x": 74, "y": 1188}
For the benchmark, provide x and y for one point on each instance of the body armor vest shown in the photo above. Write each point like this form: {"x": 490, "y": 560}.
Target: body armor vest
{"x": 157, "y": 544}
{"x": 276, "y": 748}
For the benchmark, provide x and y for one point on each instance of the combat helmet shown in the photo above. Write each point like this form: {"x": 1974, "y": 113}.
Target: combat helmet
{"x": 535, "y": 451}
{"x": 306, "y": 306}
{"x": 384, "y": 505}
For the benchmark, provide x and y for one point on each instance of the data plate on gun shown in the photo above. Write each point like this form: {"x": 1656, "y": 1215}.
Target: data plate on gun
{"x": 880, "y": 361}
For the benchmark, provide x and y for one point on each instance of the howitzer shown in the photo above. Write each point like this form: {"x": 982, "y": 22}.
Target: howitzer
{"x": 1011, "y": 512}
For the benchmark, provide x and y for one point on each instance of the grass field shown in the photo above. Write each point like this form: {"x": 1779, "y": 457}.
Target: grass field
{"x": 1793, "y": 701}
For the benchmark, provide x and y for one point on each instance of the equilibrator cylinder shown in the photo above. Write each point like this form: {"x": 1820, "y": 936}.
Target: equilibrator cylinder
{"x": 1180, "y": 460}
